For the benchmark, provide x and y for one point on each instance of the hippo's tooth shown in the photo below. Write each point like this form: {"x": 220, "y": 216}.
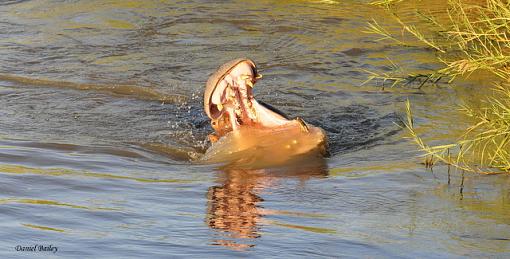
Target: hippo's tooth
{"x": 233, "y": 120}
{"x": 303, "y": 125}
{"x": 238, "y": 111}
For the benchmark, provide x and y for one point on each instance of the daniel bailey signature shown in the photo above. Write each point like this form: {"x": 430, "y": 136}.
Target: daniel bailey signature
{"x": 37, "y": 248}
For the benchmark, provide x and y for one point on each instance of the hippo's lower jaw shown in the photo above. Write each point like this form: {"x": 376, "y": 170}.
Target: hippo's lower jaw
{"x": 229, "y": 103}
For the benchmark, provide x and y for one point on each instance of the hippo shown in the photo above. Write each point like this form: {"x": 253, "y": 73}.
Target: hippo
{"x": 251, "y": 132}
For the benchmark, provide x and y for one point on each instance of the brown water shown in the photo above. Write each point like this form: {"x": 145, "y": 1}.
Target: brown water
{"x": 101, "y": 113}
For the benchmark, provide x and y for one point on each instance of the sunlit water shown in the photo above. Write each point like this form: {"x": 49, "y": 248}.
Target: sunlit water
{"x": 101, "y": 114}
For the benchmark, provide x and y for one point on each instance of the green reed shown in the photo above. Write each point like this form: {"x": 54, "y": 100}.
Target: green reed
{"x": 475, "y": 38}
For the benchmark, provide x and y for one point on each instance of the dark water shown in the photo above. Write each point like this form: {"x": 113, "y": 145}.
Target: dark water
{"x": 101, "y": 114}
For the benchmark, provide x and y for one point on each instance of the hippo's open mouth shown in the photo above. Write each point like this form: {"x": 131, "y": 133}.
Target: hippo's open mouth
{"x": 229, "y": 101}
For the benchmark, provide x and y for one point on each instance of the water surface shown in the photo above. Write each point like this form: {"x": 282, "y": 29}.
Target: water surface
{"x": 101, "y": 116}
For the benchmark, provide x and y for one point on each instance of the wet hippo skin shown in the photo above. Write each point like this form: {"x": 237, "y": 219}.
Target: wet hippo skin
{"x": 245, "y": 128}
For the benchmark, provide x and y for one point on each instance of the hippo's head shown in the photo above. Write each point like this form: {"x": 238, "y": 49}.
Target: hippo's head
{"x": 229, "y": 103}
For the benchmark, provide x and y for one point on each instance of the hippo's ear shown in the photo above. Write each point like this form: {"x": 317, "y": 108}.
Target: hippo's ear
{"x": 273, "y": 109}
{"x": 254, "y": 69}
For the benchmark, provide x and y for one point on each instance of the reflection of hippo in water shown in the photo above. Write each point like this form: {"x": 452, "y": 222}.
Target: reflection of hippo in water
{"x": 248, "y": 129}
{"x": 235, "y": 205}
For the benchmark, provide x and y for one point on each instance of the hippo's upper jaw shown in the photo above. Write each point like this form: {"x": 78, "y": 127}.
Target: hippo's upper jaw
{"x": 229, "y": 102}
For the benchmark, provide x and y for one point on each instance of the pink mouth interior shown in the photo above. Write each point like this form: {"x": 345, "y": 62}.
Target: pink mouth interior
{"x": 233, "y": 97}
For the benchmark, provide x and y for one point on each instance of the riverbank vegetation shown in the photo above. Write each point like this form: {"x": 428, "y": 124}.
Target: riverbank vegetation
{"x": 474, "y": 36}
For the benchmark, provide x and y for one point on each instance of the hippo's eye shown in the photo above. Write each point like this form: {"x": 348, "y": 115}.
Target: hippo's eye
{"x": 213, "y": 123}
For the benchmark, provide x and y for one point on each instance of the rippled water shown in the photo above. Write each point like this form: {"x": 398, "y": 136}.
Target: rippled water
{"x": 101, "y": 114}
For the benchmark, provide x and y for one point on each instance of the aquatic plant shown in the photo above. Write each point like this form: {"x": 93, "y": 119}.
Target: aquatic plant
{"x": 474, "y": 38}
{"x": 485, "y": 144}
{"x": 396, "y": 76}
